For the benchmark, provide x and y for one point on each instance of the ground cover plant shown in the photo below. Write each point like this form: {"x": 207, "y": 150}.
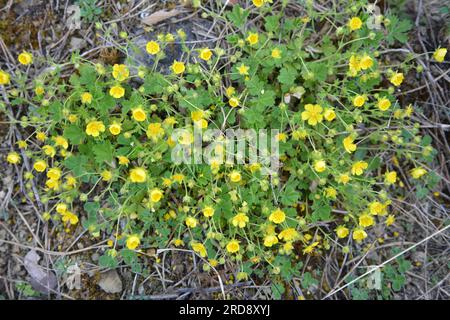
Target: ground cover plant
{"x": 96, "y": 141}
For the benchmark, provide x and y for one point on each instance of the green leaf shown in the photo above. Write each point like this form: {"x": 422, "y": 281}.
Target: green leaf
{"x": 238, "y": 16}
{"x": 74, "y": 134}
{"x": 272, "y": 23}
{"x": 287, "y": 76}
{"x": 103, "y": 152}
{"x": 77, "y": 164}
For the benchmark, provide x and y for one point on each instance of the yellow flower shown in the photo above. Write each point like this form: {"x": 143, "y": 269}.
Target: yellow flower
{"x": 234, "y": 102}
{"x": 40, "y": 166}
{"x": 120, "y": 72}
{"x": 73, "y": 118}
{"x": 178, "y": 67}
{"x": 54, "y": 174}
{"x": 355, "y": 23}
{"x": 313, "y": 114}
{"x": 25, "y": 58}
{"x": 320, "y": 165}
{"x": 13, "y": 158}
{"x": 191, "y": 222}
{"x": 289, "y": 234}
{"x": 270, "y": 240}
{"x": 41, "y": 136}
{"x": 208, "y": 211}
{"x": 252, "y": 38}
{"x": 86, "y": 98}
{"x": 359, "y": 101}
{"x": 240, "y": 220}
{"x": 52, "y": 184}
{"x": 417, "y": 173}
{"x": 61, "y": 208}
{"x": 123, "y": 160}
{"x": 390, "y": 177}
{"x": 397, "y": 79}
{"x": 106, "y": 175}
{"x": 69, "y": 217}
{"x": 277, "y": 216}
{"x": 258, "y": 3}
{"x": 115, "y": 128}
{"x": 330, "y": 192}
{"x": 199, "y": 248}
{"x": 152, "y": 47}
{"x": 281, "y": 137}
{"x": 133, "y": 242}
{"x": 60, "y": 141}
{"x": 49, "y": 151}
{"x": 342, "y": 232}
{"x": 329, "y": 114}
{"x": 243, "y": 69}
{"x": 343, "y": 178}
{"x": 233, "y": 246}
{"x": 117, "y": 92}
{"x": 376, "y": 208}
{"x": 384, "y": 104}
{"x": 390, "y": 220}
{"x": 70, "y": 181}
{"x": 178, "y": 242}
{"x": 197, "y": 115}
{"x": 349, "y": 146}
{"x": 366, "y": 220}
{"x": 155, "y": 131}
{"x": 276, "y": 53}
{"x": 179, "y": 177}
{"x": 156, "y": 195}
{"x": 94, "y": 128}
{"x": 365, "y": 62}
{"x": 138, "y": 174}
{"x": 4, "y": 78}
{"x": 205, "y": 54}
{"x": 359, "y": 167}
{"x": 309, "y": 249}
{"x": 359, "y": 235}
{"x": 354, "y": 65}
{"x": 139, "y": 114}
{"x": 235, "y": 176}
{"x": 230, "y": 91}
{"x": 439, "y": 54}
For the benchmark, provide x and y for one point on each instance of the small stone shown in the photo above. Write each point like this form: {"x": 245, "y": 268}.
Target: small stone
{"x": 110, "y": 282}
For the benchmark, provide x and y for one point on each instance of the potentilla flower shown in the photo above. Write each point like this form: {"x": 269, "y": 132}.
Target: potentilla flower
{"x": 359, "y": 235}
{"x": 178, "y": 67}
{"x": 366, "y": 220}
{"x": 417, "y": 173}
{"x": 342, "y": 232}
{"x": 384, "y": 104}
{"x": 156, "y": 195}
{"x": 41, "y": 136}
{"x": 155, "y": 131}
{"x": 70, "y": 181}
{"x": 355, "y": 23}
{"x": 288, "y": 235}
{"x": 320, "y": 166}
{"x": 106, "y": 175}
{"x": 25, "y": 58}
{"x": 354, "y": 65}
{"x": 208, "y": 211}
{"x": 309, "y": 249}
{"x": 365, "y": 62}
{"x": 86, "y": 98}
{"x": 235, "y": 176}
{"x": 138, "y": 174}
{"x": 61, "y": 208}
{"x": 349, "y": 146}
{"x": 40, "y": 166}
{"x": 258, "y": 3}
{"x": 205, "y": 54}
{"x": 133, "y": 242}
{"x": 397, "y": 79}
{"x": 4, "y": 78}
{"x": 390, "y": 220}
{"x": 139, "y": 114}
{"x": 178, "y": 177}
{"x": 312, "y": 113}
{"x": 252, "y": 38}
{"x": 359, "y": 167}
{"x": 13, "y": 158}
{"x": 343, "y": 178}
{"x": 123, "y": 160}
{"x": 117, "y": 92}
{"x": 60, "y": 141}
{"x": 276, "y": 53}
{"x": 240, "y": 220}
{"x": 190, "y": 221}
{"x": 243, "y": 69}
{"x": 329, "y": 114}
{"x": 233, "y": 102}
{"x": 270, "y": 240}
{"x": 390, "y": 177}
{"x": 54, "y": 174}
{"x": 277, "y": 216}
{"x": 69, "y": 217}
{"x": 49, "y": 151}
{"x": 52, "y": 184}
{"x": 376, "y": 208}
{"x": 439, "y": 54}
{"x": 120, "y": 72}
{"x": 152, "y": 47}
{"x": 359, "y": 100}
{"x": 199, "y": 248}
{"x": 115, "y": 128}
{"x": 233, "y": 246}
{"x": 94, "y": 128}
{"x": 331, "y": 193}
